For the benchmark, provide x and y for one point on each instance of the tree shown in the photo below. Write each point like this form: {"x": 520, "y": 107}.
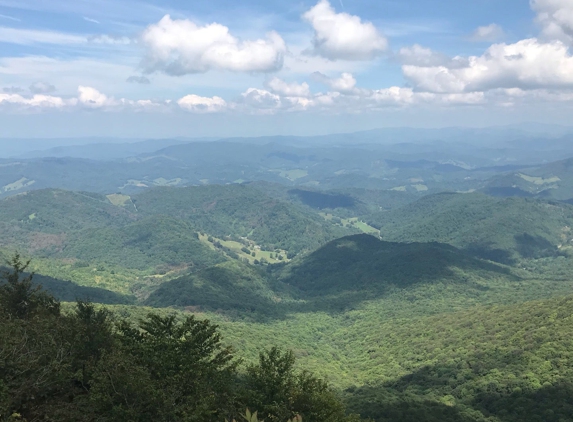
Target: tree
{"x": 180, "y": 367}
{"x": 280, "y": 393}
{"x": 19, "y": 297}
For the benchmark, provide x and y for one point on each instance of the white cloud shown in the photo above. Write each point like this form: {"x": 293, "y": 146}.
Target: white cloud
{"x": 555, "y": 17}
{"x": 109, "y": 39}
{"x": 179, "y": 47}
{"x": 492, "y": 32}
{"x": 421, "y": 56}
{"x": 37, "y": 101}
{"x": 92, "y": 98}
{"x": 199, "y": 104}
{"x": 10, "y": 18}
{"x": 278, "y": 86}
{"x": 91, "y": 20}
{"x": 345, "y": 84}
{"x": 42, "y": 88}
{"x": 343, "y": 36}
{"x": 261, "y": 100}
{"x": 31, "y": 36}
{"x": 527, "y": 64}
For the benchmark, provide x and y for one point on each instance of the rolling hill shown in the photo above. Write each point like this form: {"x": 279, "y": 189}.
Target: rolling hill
{"x": 499, "y": 229}
{"x": 550, "y": 181}
{"x": 131, "y": 245}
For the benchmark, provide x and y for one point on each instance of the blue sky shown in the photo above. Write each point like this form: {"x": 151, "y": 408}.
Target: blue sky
{"x": 217, "y": 68}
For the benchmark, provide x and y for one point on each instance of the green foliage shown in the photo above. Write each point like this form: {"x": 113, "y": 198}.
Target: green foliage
{"x": 509, "y": 364}
{"x": 20, "y": 297}
{"x": 225, "y": 287}
{"x": 365, "y": 264}
{"x": 151, "y": 242}
{"x": 550, "y": 181}
{"x": 279, "y": 392}
{"x": 84, "y": 367}
{"x": 241, "y": 211}
{"x": 499, "y": 229}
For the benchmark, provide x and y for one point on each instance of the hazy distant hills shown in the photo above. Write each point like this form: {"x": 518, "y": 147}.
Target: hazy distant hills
{"x": 551, "y": 181}
{"x": 102, "y": 150}
{"x": 415, "y": 161}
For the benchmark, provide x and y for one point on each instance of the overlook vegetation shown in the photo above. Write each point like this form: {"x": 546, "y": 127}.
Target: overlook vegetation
{"x": 86, "y": 366}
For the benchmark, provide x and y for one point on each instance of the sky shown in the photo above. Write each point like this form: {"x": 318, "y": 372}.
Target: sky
{"x": 127, "y": 68}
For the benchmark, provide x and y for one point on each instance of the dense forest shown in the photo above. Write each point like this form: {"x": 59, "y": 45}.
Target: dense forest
{"x": 86, "y": 365}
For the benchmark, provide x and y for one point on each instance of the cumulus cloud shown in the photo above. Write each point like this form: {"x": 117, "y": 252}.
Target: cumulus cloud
{"x": 341, "y": 36}
{"x": 179, "y": 47}
{"x": 420, "y": 56}
{"x": 92, "y": 98}
{"x": 527, "y": 64}
{"x": 87, "y": 98}
{"x": 197, "y": 104}
{"x": 555, "y": 18}
{"x": 138, "y": 80}
{"x": 345, "y": 84}
{"x": 37, "y": 101}
{"x": 260, "y": 99}
{"x": 42, "y": 88}
{"x": 492, "y": 32}
{"x": 278, "y": 86}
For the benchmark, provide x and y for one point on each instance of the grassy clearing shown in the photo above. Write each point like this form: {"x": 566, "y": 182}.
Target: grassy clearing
{"x": 18, "y": 184}
{"x": 351, "y": 222}
{"x": 293, "y": 175}
{"x": 164, "y": 182}
{"x": 420, "y": 188}
{"x": 119, "y": 200}
{"x": 539, "y": 180}
{"x": 271, "y": 257}
{"x": 399, "y": 188}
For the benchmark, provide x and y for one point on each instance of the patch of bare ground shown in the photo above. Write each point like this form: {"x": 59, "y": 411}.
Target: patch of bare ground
{"x": 39, "y": 241}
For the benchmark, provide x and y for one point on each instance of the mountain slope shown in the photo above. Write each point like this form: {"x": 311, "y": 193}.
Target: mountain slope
{"x": 224, "y": 287}
{"x": 498, "y": 229}
{"x": 550, "y": 181}
{"x": 364, "y": 263}
{"x": 241, "y": 211}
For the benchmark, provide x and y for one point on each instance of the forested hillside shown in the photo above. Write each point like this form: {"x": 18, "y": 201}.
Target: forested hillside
{"x": 499, "y": 229}
{"x": 550, "y": 181}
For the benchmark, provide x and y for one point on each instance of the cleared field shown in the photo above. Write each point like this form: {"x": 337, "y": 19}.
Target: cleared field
{"x": 119, "y": 200}
{"x": 294, "y": 174}
{"x": 420, "y": 187}
{"x": 164, "y": 182}
{"x": 539, "y": 180}
{"x": 272, "y": 257}
{"x": 352, "y": 222}
{"x": 18, "y": 184}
